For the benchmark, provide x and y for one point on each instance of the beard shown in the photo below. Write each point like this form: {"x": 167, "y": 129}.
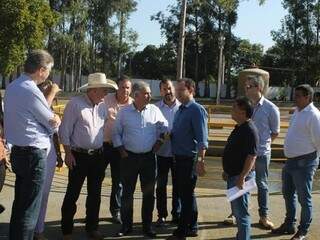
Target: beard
{"x": 169, "y": 97}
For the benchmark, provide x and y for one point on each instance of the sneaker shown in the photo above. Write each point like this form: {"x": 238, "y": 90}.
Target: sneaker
{"x": 160, "y": 222}
{"x": 299, "y": 236}
{"x": 266, "y": 223}
{"x": 284, "y": 229}
{"x": 230, "y": 220}
{"x": 116, "y": 218}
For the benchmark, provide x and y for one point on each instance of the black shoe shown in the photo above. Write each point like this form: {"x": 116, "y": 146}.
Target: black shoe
{"x": 178, "y": 233}
{"x": 160, "y": 222}
{"x": 2, "y": 208}
{"x": 124, "y": 231}
{"x": 192, "y": 233}
{"x": 284, "y": 229}
{"x": 175, "y": 220}
{"x": 299, "y": 236}
{"x": 172, "y": 237}
{"x": 116, "y": 218}
{"x": 149, "y": 232}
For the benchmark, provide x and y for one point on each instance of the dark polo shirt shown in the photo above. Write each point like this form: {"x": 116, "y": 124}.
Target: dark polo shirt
{"x": 243, "y": 141}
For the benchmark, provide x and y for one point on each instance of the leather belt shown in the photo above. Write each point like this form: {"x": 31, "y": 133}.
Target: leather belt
{"x": 87, "y": 151}
{"x": 307, "y": 156}
{"x": 24, "y": 148}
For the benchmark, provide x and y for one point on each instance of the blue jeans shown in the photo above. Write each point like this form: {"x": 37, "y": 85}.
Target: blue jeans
{"x": 262, "y": 173}
{"x": 186, "y": 177}
{"x": 239, "y": 208}
{"x": 29, "y": 165}
{"x": 297, "y": 178}
{"x": 164, "y": 164}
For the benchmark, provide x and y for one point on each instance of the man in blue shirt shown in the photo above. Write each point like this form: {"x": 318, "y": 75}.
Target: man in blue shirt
{"x": 137, "y": 132}
{"x": 169, "y": 105}
{"x": 189, "y": 138}
{"x": 28, "y": 124}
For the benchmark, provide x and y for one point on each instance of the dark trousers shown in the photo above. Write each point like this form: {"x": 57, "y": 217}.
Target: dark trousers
{"x": 186, "y": 182}
{"x": 2, "y": 173}
{"x": 93, "y": 168}
{"x": 29, "y": 165}
{"x": 143, "y": 165}
{"x": 112, "y": 157}
{"x": 164, "y": 164}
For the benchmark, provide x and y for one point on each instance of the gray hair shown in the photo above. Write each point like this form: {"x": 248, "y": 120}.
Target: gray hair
{"x": 257, "y": 80}
{"x": 138, "y": 87}
{"x": 37, "y": 59}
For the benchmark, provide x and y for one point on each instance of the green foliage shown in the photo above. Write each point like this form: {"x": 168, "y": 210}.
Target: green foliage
{"x": 296, "y": 55}
{"x": 25, "y": 25}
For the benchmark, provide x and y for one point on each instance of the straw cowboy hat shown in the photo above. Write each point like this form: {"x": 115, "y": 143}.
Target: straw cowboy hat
{"x": 98, "y": 80}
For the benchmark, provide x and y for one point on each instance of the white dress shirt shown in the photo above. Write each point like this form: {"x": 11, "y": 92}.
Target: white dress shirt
{"x": 303, "y": 135}
{"x": 137, "y": 130}
{"x": 82, "y": 123}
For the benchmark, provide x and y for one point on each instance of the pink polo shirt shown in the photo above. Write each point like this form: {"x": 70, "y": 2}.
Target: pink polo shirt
{"x": 113, "y": 107}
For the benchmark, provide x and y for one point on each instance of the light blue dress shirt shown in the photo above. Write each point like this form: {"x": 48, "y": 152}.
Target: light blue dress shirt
{"x": 190, "y": 129}
{"x": 26, "y": 114}
{"x": 138, "y": 131}
{"x": 266, "y": 117}
{"x": 168, "y": 113}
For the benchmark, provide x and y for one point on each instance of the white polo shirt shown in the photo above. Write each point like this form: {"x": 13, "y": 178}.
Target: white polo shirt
{"x": 303, "y": 135}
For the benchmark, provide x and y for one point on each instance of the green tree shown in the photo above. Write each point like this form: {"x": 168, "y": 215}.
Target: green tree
{"x": 24, "y": 26}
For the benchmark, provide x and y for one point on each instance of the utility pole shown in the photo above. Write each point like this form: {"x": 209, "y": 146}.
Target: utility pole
{"x": 181, "y": 39}
{"x": 221, "y": 41}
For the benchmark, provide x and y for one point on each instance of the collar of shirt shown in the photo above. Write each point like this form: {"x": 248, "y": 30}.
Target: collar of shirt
{"x": 260, "y": 102}
{"x": 163, "y": 104}
{"x": 87, "y": 99}
{"x": 114, "y": 96}
{"x": 133, "y": 107}
{"x": 189, "y": 103}
{"x": 308, "y": 108}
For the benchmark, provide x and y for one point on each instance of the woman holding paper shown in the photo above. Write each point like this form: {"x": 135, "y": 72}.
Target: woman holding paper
{"x": 238, "y": 161}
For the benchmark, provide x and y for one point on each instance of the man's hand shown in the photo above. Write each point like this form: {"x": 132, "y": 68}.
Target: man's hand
{"x": 240, "y": 182}
{"x": 156, "y": 146}
{"x": 55, "y": 121}
{"x": 224, "y": 176}
{"x": 123, "y": 154}
{"x": 200, "y": 168}
{"x": 55, "y": 88}
{"x": 59, "y": 161}
{"x": 69, "y": 160}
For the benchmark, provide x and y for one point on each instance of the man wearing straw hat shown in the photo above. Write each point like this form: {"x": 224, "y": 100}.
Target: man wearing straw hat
{"x": 81, "y": 133}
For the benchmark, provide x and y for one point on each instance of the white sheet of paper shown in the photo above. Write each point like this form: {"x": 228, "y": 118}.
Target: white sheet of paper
{"x": 234, "y": 192}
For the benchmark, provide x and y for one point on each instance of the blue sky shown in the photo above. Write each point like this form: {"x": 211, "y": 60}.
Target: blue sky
{"x": 254, "y": 22}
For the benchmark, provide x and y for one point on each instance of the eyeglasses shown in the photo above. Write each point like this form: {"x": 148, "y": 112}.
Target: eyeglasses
{"x": 250, "y": 86}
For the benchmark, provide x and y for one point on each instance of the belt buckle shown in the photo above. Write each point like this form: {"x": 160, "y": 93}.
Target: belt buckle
{"x": 91, "y": 151}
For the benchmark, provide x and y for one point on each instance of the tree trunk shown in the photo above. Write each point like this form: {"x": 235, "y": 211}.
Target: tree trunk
{"x": 122, "y": 23}
{"x": 181, "y": 40}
